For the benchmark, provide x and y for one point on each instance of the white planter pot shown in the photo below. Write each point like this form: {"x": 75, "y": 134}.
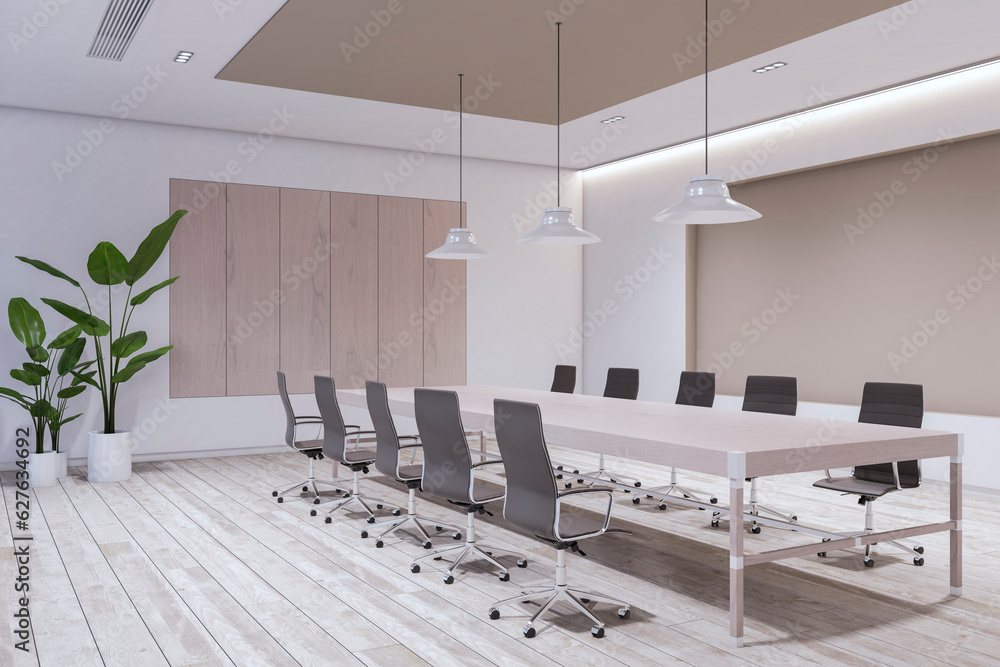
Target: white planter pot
{"x": 62, "y": 459}
{"x": 109, "y": 456}
{"x": 42, "y": 470}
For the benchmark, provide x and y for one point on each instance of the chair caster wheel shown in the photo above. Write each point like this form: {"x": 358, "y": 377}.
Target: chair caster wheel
{"x": 312, "y": 512}
{"x": 274, "y": 494}
{"x": 456, "y": 536}
{"x": 378, "y": 506}
{"x": 494, "y": 614}
{"x": 662, "y": 506}
{"x": 793, "y": 518}
{"x": 919, "y": 550}
{"x": 427, "y": 544}
{"x": 713, "y": 500}
{"x": 597, "y": 632}
{"x": 585, "y": 600}
{"x": 648, "y": 496}
{"x": 624, "y": 613}
{"x": 822, "y": 554}
{"x": 576, "y": 472}
{"x": 395, "y": 512}
{"x": 528, "y": 631}
{"x": 315, "y": 501}
{"x": 328, "y": 520}
{"x": 437, "y": 557}
{"x": 379, "y": 544}
{"x": 569, "y": 485}
{"x": 448, "y": 579}
{"x": 280, "y": 499}
{"x": 415, "y": 569}
{"x": 638, "y": 485}
{"x": 370, "y": 519}
{"x": 559, "y": 476}
{"x": 869, "y": 562}
{"x": 364, "y": 534}
{"x": 505, "y": 576}
{"x": 755, "y": 530}
{"x": 305, "y": 489}
{"x": 918, "y": 561}
{"x": 559, "y": 467}
{"x": 635, "y": 500}
{"x": 523, "y": 562}
{"x": 347, "y": 495}
{"x": 715, "y": 523}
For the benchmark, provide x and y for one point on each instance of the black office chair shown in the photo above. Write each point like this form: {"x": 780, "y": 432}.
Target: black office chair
{"x": 621, "y": 383}
{"x": 892, "y": 404}
{"x": 449, "y": 473}
{"x": 776, "y": 395}
{"x": 696, "y": 389}
{"x": 389, "y": 461}
{"x": 335, "y": 436}
{"x": 535, "y": 504}
{"x": 311, "y": 448}
{"x": 564, "y": 380}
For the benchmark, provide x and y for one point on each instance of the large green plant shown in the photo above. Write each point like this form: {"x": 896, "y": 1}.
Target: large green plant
{"x": 46, "y": 372}
{"x": 108, "y": 267}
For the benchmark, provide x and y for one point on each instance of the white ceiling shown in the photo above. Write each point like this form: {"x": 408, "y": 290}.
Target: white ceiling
{"x": 50, "y": 71}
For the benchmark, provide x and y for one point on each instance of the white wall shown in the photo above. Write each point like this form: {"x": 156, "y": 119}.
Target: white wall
{"x": 120, "y": 190}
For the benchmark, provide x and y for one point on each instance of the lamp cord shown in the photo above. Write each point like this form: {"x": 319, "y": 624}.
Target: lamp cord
{"x": 461, "y": 154}
{"x": 558, "y": 113}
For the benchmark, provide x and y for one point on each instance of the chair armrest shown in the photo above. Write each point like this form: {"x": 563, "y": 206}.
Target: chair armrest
{"x": 352, "y": 426}
{"x": 312, "y": 418}
{"x": 828, "y": 475}
{"x": 607, "y": 512}
{"x": 895, "y": 475}
{"x": 570, "y": 492}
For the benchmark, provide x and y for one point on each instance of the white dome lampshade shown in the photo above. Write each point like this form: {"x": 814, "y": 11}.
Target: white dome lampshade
{"x": 558, "y": 228}
{"x": 706, "y": 202}
{"x": 460, "y": 244}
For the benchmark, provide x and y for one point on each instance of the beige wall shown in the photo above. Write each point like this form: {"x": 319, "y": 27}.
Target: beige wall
{"x": 882, "y": 269}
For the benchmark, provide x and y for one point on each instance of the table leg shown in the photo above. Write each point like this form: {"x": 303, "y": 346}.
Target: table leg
{"x": 736, "y": 562}
{"x": 955, "y": 482}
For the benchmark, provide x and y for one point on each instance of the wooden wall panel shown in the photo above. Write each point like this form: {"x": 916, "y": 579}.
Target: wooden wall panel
{"x": 444, "y": 306}
{"x": 304, "y": 341}
{"x": 400, "y": 291}
{"x": 354, "y": 288}
{"x": 252, "y": 269}
{"x": 198, "y": 298}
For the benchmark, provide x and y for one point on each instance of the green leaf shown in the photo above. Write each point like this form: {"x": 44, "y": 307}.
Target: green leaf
{"x": 91, "y": 325}
{"x": 39, "y": 408}
{"x": 15, "y": 396}
{"x": 85, "y": 378}
{"x": 25, "y": 322}
{"x": 39, "y": 354}
{"x": 107, "y": 265}
{"x": 66, "y": 337}
{"x": 126, "y": 373}
{"x": 71, "y": 357}
{"x": 70, "y": 392}
{"x": 30, "y": 379}
{"x": 35, "y": 369}
{"x": 59, "y": 424}
{"x": 52, "y": 271}
{"x": 141, "y": 298}
{"x": 128, "y": 344}
{"x": 152, "y": 247}
{"x": 152, "y": 355}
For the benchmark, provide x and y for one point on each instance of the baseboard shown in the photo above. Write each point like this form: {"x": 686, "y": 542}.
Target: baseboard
{"x": 170, "y": 456}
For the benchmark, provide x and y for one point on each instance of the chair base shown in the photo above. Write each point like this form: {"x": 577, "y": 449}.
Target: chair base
{"x": 561, "y": 592}
{"x": 869, "y": 561}
{"x": 601, "y": 473}
{"x": 675, "y": 489}
{"x": 352, "y": 497}
{"x": 754, "y": 508}
{"x": 310, "y": 483}
{"x": 411, "y": 520}
{"x": 470, "y": 548}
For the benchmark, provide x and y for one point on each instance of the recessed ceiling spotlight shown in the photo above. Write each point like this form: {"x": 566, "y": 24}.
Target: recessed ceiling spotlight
{"x": 183, "y": 57}
{"x": 613, "y": 119}
{"x": 768, "y": 68}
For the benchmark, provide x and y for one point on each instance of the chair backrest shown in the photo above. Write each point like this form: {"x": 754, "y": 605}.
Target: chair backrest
{"x": 622, "y": 383}
{"x": 531, "y": 485}
{"x": 447, "y": 462}
{"x": 386, "y": 437}
{"x": 775, "y": 394}
{"x": 564, "y": 380}
{"x": 289, "y": 413}
{"x": 334, "y": 430}
{"x": 696, "y": 388}
{"x": 892, "y": 404}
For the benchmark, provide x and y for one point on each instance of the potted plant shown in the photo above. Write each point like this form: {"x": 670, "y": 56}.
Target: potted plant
{"x": 45, "y": 377}
{"x": 109, "y": 452}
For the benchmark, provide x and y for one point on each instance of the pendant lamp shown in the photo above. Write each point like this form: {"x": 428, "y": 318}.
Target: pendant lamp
{"x": 706, "y": 200}
{"x": 558, "y": 226}
{"x": 460, "y": 242}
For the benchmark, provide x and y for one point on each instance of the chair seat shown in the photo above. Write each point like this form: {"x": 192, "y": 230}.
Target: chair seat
{"x": 856, "y": 486}
{"x": 573, "y": 525}
{"x": 408, "y": 473}
{"x": 483, "y": 492}
{"x": 359, "y": 456}
{"x": 307, "y": 446}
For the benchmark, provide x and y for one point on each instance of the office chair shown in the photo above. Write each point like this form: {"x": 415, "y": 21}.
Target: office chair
{"x": 621, "y": 383}
{"x": 388, "y": 461}
{"x": 535, "y": 504}
{"x": 311, "y": 448}
{"x": 697, "y": 389}
{"x": 564, "y": 380}
{"x": 776, "y": 395}
{"x": 894, "y": 405}
{"x": 449, "y": 473}
{"x": 335, "y": 435}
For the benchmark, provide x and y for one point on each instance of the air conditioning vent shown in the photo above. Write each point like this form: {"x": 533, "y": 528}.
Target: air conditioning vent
{"x": 121, "y": 21}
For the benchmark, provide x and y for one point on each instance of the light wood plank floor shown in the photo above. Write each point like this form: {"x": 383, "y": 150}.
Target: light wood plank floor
{"x": 192, "y": 562}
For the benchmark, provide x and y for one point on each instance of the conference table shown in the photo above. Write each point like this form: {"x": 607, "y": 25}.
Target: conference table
{"x": 727, "y": 443}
